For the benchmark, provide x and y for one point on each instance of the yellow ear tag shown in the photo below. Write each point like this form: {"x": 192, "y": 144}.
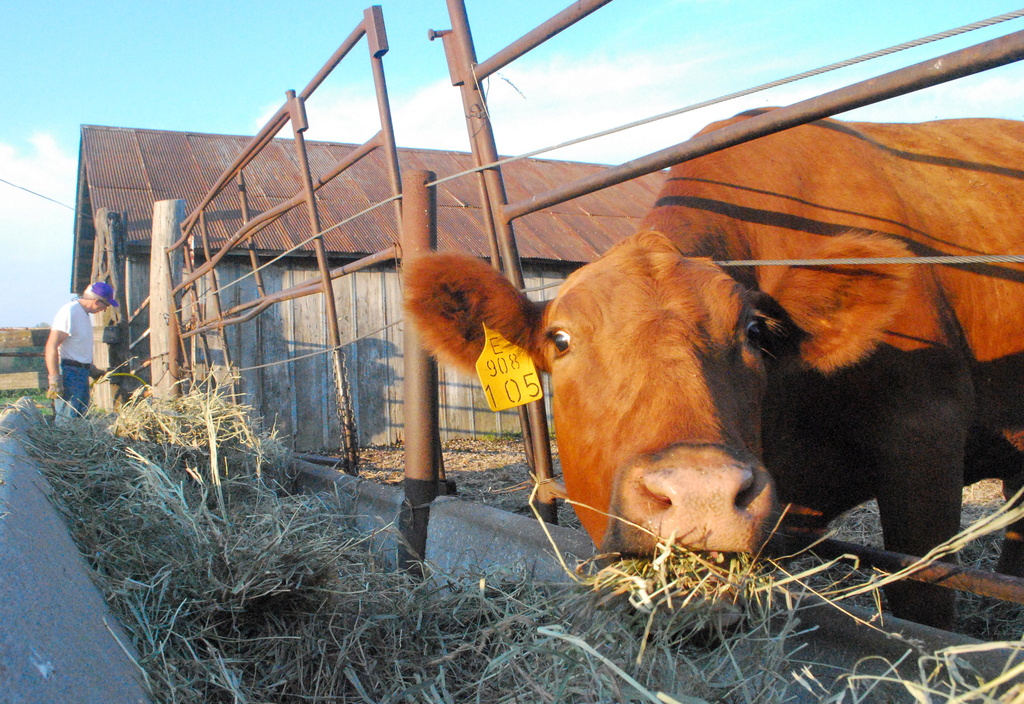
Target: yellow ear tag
{"x": 506, "y": 373}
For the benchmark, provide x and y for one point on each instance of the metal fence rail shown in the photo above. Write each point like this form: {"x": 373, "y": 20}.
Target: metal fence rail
{"x": 467, "y": 73}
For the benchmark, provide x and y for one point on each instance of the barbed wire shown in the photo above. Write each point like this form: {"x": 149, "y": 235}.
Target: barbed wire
{"x": 323, "y": 351}
{"x": 28, "y": 190}
{"x": 294, "y": 248}
{"x": 750, "y": 91}
{"x": 948, "y": 260}
{"x": 672, "y": 113}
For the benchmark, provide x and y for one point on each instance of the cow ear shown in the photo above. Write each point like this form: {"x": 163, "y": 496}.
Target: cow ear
{"x": 844, "y": 310}
{"x": 449, "y": 298}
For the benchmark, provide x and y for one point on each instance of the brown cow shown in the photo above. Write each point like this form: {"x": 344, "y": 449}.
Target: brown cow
{"x": 692, "y": 400}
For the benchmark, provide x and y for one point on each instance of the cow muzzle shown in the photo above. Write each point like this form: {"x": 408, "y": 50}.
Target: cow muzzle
{"x": 703, "y": 497}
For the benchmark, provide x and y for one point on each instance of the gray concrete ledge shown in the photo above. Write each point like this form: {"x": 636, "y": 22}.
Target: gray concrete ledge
{"x": 58, "y": 640}
{"x": 466, "y": 537}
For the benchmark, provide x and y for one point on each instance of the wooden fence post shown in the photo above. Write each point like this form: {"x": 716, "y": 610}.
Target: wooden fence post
{"x": 110, "y": 349}
{"x": 164, "y": 274}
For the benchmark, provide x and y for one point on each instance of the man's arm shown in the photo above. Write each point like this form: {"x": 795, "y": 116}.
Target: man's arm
{"x": 54, "y": 379}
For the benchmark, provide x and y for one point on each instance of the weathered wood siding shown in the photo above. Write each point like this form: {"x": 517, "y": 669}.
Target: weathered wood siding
{"x": 21, "y": 358}
{"x": 298, "y": 397}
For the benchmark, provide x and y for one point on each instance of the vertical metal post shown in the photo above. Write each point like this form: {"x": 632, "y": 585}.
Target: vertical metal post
{"x": 461, "y": 59}
{"x": 213, "y": 281}
{"x": 377, "y": 41}
{"x": 419, "y": 236}
{"x": 243, "y": 202}
{"x": 297, "y": 112}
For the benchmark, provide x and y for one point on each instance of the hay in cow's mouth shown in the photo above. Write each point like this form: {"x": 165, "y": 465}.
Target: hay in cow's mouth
{"x": 702, "y": 596}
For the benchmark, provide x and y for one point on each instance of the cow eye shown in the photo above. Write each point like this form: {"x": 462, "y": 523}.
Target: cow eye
{"x": 561, "y": 340}
{"x": 755, "y": 333}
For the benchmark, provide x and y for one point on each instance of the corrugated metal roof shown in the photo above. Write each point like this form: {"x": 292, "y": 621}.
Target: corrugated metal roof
{"x": 127, "y": 170}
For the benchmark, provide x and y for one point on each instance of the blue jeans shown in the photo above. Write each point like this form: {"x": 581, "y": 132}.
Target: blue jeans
{"x": 76, "y": 388}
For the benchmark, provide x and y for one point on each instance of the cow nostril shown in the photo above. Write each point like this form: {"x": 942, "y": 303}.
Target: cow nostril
{"x": 657, "y": 497}
{"x": 747, "y": 491}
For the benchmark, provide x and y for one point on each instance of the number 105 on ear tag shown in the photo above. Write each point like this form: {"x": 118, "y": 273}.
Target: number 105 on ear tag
{"x": 507, "y": 373}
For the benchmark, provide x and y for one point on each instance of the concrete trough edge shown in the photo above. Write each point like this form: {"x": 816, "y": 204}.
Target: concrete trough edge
{"x": 59, "y": 641}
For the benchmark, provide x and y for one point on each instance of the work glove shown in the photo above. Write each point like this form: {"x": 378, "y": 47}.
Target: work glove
{"x": 56, "y": 388}
{"x": 95, "y": 372}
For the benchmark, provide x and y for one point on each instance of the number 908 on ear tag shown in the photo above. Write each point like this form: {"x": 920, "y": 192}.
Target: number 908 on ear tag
{"x": 506, "y": 373}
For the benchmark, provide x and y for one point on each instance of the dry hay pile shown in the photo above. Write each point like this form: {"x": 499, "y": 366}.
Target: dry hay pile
{"x": 234, "y": 592}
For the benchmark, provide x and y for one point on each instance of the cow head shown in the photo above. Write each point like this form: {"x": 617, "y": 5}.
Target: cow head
{"x": 658, "y": 365}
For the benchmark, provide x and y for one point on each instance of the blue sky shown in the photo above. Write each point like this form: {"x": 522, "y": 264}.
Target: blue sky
{"x": 223, "y": 67}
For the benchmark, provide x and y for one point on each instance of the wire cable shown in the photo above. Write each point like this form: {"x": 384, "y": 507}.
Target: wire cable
{"x": 14, "y": 185}
{"x": 750, "y": 91}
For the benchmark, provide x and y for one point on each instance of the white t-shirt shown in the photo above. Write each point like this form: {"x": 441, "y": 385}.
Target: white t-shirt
{"x": 73, "y": 319}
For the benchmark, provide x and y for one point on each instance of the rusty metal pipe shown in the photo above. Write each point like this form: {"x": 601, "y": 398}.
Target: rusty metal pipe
{"x": 378, "y": 44}
{"x": 537, "y": 36}
{"x": 314, "y": 285}
{"x": 965, "y": 62}
{"x": 944, "y": 574}
{"x": 340, "y": 53}
{"x": 299, "y": 126}
{"x": 304, "y": 289}
{"x": 419, "y": 236}
{"x": 254, "y": 260}
{"x": 269, "y": 130}
{"x": 265, "y": 218}
{"x": 212, "y": 275}
{"x": 461, "y": 58}
{"x": 255, "y": 145}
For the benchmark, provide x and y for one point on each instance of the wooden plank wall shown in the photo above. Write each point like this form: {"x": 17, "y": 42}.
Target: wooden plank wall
{"x": 298, "y": 397}
{"x": 21, "y": 358}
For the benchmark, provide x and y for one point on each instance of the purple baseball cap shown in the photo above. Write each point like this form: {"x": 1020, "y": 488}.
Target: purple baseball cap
{"x": 102, "y": 290}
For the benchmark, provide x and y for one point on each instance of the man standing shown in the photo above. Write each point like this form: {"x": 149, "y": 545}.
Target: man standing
{"x": 69, "y": 347}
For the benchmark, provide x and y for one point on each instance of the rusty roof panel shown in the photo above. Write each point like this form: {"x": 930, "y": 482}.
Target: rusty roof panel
{"x": 128, "y": 170}
{"x": 275, "y": 170}
{"x": 214, "y": 154}
{"x": 525, "y": 178}
{"x": 590, "y": 232}
{"x": 454, "y": 193}
{"x": 137, "y": 203}
{"x": 113, "y": 158}
{"x": 170, "y": 148}
{"x": 452, "y": 226}
{"x": 461, "y": 192}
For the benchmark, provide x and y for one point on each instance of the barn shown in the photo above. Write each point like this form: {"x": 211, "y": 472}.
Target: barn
{"x": 279, "y": 356}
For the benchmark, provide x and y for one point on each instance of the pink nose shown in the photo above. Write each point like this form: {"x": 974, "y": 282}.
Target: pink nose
{"x": 703, "y": 497}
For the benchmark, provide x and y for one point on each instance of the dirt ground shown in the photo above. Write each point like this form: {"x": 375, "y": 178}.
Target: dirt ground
{"x": 491, "y": 471}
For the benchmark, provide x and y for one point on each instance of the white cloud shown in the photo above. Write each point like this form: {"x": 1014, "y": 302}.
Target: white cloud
{"x": 532, "y": 107}
{"x": 429, "y": 118}
{"x": 998, "y": 93}
{"x": 541, "y": 105}
{"x": 37, "y": 234}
